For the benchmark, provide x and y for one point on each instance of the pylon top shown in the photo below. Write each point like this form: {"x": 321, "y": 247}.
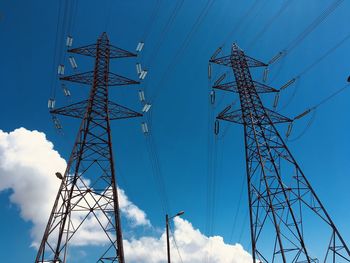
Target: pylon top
{"x": 114, "y": 52}
{"x": 227, "y": 60}
{"x": 103, "y": 51}
{"x": 235, "y": 46}
{"x": 104, "y": 36}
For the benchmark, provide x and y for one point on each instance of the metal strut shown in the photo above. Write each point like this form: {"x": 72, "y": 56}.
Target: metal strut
{"x": 88, "y": 191}
{"x": 284, "y": 209}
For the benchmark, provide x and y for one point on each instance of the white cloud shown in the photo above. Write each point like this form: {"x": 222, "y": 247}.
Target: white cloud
{"x": 131, "y": 211}
{"x": 28, "y": 163}
{"x": 194, "y": 247}
{"x": 27, "y": 167}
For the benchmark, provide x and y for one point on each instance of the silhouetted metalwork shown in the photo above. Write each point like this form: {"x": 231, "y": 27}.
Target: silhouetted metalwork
{"x": 89, "y": 78}
{"x": 167, "y": 222}
{"x": 88, "y": 191}
{"x": 288, "y": 222}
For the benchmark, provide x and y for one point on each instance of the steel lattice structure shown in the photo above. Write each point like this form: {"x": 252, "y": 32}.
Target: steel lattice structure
{"x": 88, "y": 191}
{"x": 284, "y": 208}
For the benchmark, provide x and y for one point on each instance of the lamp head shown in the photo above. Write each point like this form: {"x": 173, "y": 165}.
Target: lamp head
{"x": 59, "y": 175}
{"x": 180, "y": 213}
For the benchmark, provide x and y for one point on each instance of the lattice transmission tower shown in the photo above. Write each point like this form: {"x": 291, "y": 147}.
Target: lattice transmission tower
{"x": 88, "y": 191}
{"x": 288, "y": 222}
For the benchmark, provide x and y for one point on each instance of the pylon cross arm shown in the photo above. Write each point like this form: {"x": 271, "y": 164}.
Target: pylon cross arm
{"x": 117, "y": 80}
{"x": 231, "y": 115}
{"x": 232, "y": 87}
{"x": 77, "y": 110}
{"x": 236, "y": 116}
{"x": 88, "y": 79}
{"x": 229, "y": 61}
{"x": 120, "y": 112}
{"x": 276, "y": 117}
{"x": 91, "y": 51}
{"x": 252, "y": 62}
{"x": 263, "y": 88}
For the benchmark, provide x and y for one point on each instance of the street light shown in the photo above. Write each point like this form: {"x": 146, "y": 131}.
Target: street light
{"x": 59, "y": 175}
{"x": 167, "y": 218}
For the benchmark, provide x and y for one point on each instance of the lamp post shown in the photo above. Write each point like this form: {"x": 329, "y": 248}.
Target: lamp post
{"x": 167, "y": 218}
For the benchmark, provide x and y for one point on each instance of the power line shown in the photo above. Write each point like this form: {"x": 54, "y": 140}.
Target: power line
{"x": 270, "y": 22}
{"x": 295, "y": 89}
{"x": 165, "y": 30}
{"x": 183, "y": 47}
{"x": 151, "y": 21}
{"x": 308, "y": 126}
{"x": 278, "y": 71}
{"x": 310, "y": 28}
{"x": 237, "y": 209}
{"x": 163, "y": 34}
{"x": 243, "y": 227}
{"x": 213, "y": 185}
{"x": 54, "y": 64}
{"x": 241, "y": 21}
{"x": 326, "y": 54}
{"x": 314, "y": 25}
{"x": 245, "y": 29}
{"x": 65, "y": 23}
{"x": 65, "y": 27}
{"x": 71, "y": 13}
{"x": 175, "y": 243}
{"x": 75, "y": 6}
{"x": 331, "y": 96}
{"x": 212, "y": 153}
{"x": 157, "y": 172}
{"x": 209, "y": 162}
{"x": 312, "y": 65}
{"x": 313, "y": 110}
{"x": 108, "y": 14}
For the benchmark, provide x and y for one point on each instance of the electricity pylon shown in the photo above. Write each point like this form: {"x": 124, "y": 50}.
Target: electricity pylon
{"x": 88, "y": 191}
{"x": 288, "y": 222}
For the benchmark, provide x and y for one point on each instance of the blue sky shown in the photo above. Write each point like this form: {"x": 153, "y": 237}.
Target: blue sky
{"x": 177, "y": 80}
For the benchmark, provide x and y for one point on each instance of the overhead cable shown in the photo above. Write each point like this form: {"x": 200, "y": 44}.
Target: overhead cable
{"x": 183, "y": 47}
{"x": 311, "y": 27}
